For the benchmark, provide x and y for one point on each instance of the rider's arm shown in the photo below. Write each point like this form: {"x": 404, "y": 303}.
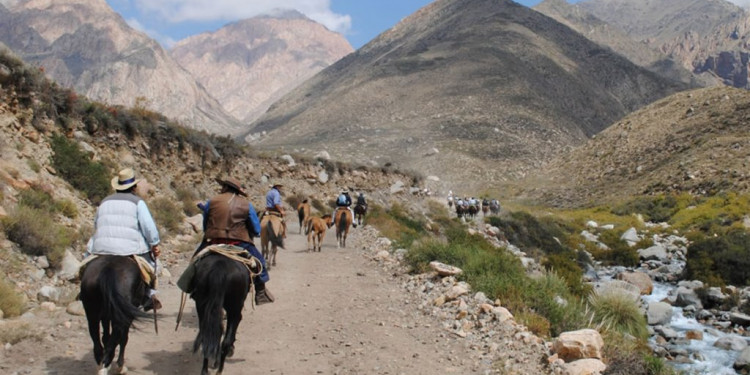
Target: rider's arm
{"x": 277, "y": 203}
{"x": 147, "y": 224}
{"x": 252, "y": 218}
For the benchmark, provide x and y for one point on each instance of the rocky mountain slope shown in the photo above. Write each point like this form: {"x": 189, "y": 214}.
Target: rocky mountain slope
{"x": 249, "y": 64}
{"x": 588, "y": 25}
{"x": 85, "y": 45}
{"x": 694, "y": 141}
{"x": 705, "y": 36}
{"x": 471, "y": 92}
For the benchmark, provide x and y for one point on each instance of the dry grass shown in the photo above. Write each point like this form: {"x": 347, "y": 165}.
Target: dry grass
{"x": 15, "y": 331}
{"x": 11, "y": 302}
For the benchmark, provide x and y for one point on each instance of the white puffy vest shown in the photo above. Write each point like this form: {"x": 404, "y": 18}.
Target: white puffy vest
{"x": 117, "y": 229}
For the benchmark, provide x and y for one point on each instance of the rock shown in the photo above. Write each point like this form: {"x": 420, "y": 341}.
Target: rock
{"x": 739, "y": 319}
{"x": 383, "y": 255}
{"x": 433, "y": 178}
{"x": 397, "y": 187}
{"x": 323, "y": 155}
{"x": 607, "y": 227}
{"x": 288, "y": 159}
{"x": 659, "y": 313}
{"x": 731, "y": 342}
{"x": 42, "y": 262}
{"x": 69, "y": 266}
{"x": 589, "y": 366}
{"x": 457, "y": 291}
{"x": 323, "y": 177}
{"x": 743, "y": 361}
{"x": 656, "y": 252}
{"x": 584, "y": 343}
{"x": 630, "y": 236}
{"x": 444, "y": 269}
{"x": 639, "y": 279}
{"x": 618, "y": 287}
{"x": 48, "y": 293}
{"x": 48, "y": 306}
{"x": 75, "y": 308}
{"x": 687, "y": 297}
{"x": 501, "y": 313}
{"x": 694, "y": 335}
{"x": 592, "y": 224}
{"x": 195, "y": 222}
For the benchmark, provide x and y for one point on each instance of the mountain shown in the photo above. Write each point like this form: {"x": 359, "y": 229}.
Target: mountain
{"x": 613, "y": 37}
{"x": 472, "y": 92}
{"x": 693, "y": 141}
{"x": 706, "y": 36}
{"x": 249, "y": 64}
{"x": 85, "y": 45}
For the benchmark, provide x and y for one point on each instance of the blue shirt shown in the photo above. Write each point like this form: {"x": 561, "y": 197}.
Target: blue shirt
{"x": 273, "y": 198}
{"x": 252, "y": 218}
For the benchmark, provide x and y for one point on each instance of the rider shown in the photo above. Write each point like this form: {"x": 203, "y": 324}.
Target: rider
{"x": 361, "y": 200}
{"x": 273, "y": 203}
{"x": 124, "y": 226}
{"x": 229, "y": 218}
{"x": 344, "y": 200}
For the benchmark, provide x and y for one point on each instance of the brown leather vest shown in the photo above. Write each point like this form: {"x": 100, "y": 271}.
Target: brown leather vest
{"x": 227, "y": 218}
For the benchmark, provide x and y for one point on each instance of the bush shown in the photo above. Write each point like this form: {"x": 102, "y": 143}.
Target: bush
{"x": 658, "y": 208}
{"x": 620, "y": 313}
{"x": 720, "y": 260}
{"x": 166, "y": 214}
{"x": 37, "y": 233}
{"x": 67, "y": 208}
{"x": 76, "y": 167}
{"x": 11, "y": 302}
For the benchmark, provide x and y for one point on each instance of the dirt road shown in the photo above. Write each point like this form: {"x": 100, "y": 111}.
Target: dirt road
{"x": 337, "y": 312}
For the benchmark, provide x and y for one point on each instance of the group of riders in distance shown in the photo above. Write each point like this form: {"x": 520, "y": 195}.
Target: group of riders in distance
{"x": 118, "y": 274}
{"x": 469, "y": 207}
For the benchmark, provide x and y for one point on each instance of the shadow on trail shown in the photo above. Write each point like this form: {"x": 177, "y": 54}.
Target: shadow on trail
{"x": 72, "y": 366}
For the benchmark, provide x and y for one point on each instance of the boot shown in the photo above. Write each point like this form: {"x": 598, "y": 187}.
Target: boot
{"x": 263, "y": 296}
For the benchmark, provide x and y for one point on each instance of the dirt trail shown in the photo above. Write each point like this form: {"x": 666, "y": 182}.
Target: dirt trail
{"x": 336, "y": 312}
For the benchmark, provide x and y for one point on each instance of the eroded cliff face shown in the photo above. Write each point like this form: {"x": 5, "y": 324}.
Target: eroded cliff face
{"x": 85, "y": 45}
{"x": 249, "y": 64}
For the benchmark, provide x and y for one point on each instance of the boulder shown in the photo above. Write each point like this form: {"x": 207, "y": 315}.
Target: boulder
{"x": 69, "y": 266}
{"x": 731, "y": 342}
{"x": 656, "y": 252}
{"x": 630, "y": 236}
{"x": 659, "y": 313}
{"x": 573, "y": 345}
{"x": 75, "y": 308}
{"x": 322, "y": 177}
{"x": 687, "y": 297}
{"x": 323, "y": 155}
{"x": 639, "y": 279}
{"x": 397, "y": 187}
{"x": 740, "y": 319}
{"x": 288, "y": 159}
{"x": 588, "y": 366}
{"x": 618, "y": 287}
{"x": 742, "y": 363}
{"x": 443, "y": 269}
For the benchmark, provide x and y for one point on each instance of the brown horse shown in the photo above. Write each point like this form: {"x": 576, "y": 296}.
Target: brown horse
{"x": 316, "y": 231}
{"x": 343, "y": 221}
{"x": 271, "y": 230}
{"x": 303, "y": 211}
{"x": 360, "y": 211}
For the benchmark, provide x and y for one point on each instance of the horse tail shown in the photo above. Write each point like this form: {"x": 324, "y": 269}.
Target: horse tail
{"x": 209, "y": 298}
{"x": 301, "y": 214}
{"x": 308, "y": 227}
{"x": 120, "y": 311}
{"x": 276, "y": 239}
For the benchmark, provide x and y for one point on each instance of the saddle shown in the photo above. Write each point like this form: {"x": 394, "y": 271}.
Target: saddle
{"x": 274, "y": 213}
{"x": 253, "y": 264}
{"x": 148, "y": 273}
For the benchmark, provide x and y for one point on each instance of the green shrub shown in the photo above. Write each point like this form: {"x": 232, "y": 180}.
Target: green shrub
{"x": 657, "y": 208}
{"x": 76, "y": 167}
{"x": 34, "y": 165}
{"x": 11, "y": 302}
{"x": 166, "y": 214}
{"x": 720, "y": 260}
{"x": 67, "y": 208}
{"x": 37, "y": 233}
{"x": 619, "y": 312}
{"x": 37, "y": 199}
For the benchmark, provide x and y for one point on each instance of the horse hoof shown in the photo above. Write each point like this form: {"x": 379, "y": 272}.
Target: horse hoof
{"x": 103, "y": 371}
{"x": 123, "y": 370}
{"x": 230, "y": 352}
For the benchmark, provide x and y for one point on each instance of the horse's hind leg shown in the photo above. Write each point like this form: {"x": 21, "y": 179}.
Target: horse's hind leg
{"x": 227, "y": 345}
{"x": 121, "y": 369}
{"x": 94, "y": 333}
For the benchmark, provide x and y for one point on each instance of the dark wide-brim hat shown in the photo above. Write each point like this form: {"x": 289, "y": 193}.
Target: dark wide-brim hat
{"x": 233, "y": 183}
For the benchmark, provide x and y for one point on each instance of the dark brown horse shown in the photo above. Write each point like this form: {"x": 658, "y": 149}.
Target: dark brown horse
{"x": 303, "y": 212}
{"x": 343, "y": 221}
{"x": 220, "y": 284}
{"x": 316, "y": 231}
{"x": 360, "y": 210}
{"x": 111, "y": 291}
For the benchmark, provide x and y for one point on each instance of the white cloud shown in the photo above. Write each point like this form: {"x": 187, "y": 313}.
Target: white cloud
{"x": 164, "y": 40}
{"x": 177, "y": 11}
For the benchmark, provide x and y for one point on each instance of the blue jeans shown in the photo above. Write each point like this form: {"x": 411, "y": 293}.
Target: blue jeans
{"x": 254, "y": 252}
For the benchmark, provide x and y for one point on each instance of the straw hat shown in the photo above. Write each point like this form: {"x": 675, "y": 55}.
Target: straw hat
{"x": 125, "y": 180}
{"x": 233, "y": 183}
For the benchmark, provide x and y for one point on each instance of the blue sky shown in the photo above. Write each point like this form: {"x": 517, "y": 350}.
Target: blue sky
{"x": 358, "y": 20}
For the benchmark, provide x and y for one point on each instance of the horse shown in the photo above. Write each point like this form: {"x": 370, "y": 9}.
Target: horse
{"x": 111, "y": 291}
{"x": 303, "y": 211}
{"x": 316, "y": 231}
{"x": 472, "y": 211}
{"x": 494, "y": 207}
{"x": 360, "y": 210}
{"x": 219, "y": 283}
{"x": 460, "y": 211}
{"x": 271, "y": 230}
{"x": 343, "y": 220}
{"x": 450, "y": 202}
{"x": 485, "y": 208}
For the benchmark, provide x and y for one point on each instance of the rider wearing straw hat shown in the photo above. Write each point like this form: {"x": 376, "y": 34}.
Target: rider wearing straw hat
{"x": 274, "y": 204}
{"x": 124, "y": 226}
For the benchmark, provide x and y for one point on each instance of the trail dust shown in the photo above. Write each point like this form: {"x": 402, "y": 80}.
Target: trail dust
{"x": 336, "y": 312}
